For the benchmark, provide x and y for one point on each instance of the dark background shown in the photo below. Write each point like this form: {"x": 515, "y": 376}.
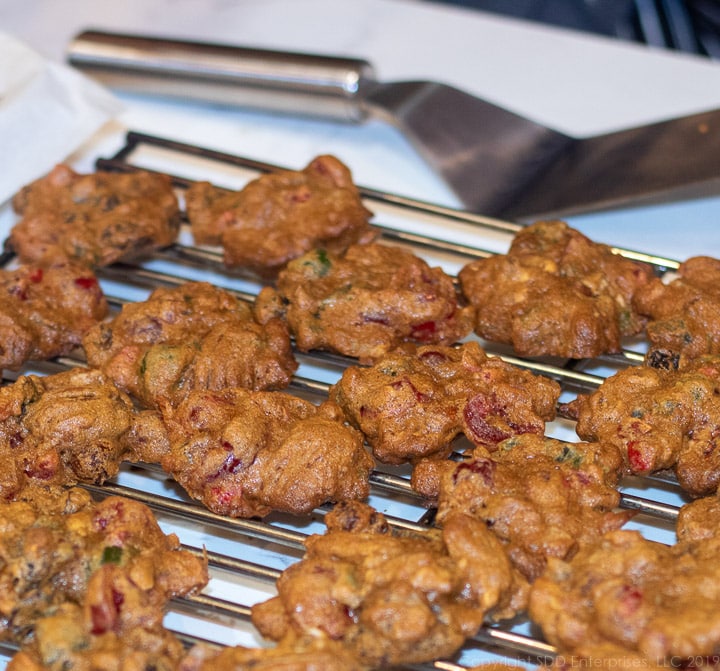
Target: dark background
{"x": 691, "y": 26}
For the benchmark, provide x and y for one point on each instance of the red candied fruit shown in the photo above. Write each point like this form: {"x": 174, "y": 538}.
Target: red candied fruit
{"x": 630, "y": 600}
{"x": 36, "y": 275}
{"x": 106, "y": 616}
{"x": 485, "y": 468}
{"x": 424, "y": 331}
{"x": 86, "y": 282}
{"x": 224, "y": 496}
{"x": 44, "y": 468}
{"x": 475, "y": 413}
{"x": 639, "y": 461}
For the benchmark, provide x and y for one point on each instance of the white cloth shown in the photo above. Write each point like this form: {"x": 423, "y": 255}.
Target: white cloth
{"x": 47, "y": 110}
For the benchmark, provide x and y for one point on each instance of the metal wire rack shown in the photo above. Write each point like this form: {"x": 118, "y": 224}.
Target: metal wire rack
{"x": 247, "y": 556}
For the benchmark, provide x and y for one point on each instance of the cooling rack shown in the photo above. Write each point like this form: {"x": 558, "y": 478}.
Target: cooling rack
{"x": 246, "y": 556}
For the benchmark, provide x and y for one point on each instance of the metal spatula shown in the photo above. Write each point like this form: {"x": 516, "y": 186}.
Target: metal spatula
{"x": 497, "y": 162}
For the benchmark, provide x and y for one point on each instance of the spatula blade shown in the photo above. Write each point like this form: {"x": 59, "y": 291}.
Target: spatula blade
{"x": 486, "y": 154}
{"x": 505, "y": 165}
{"x": 661, "y": 162}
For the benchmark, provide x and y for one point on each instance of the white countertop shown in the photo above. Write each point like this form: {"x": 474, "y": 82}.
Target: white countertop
{"x": 576, "y": 83}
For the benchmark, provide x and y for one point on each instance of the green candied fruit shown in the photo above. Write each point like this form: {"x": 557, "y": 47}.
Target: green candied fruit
{"x": 112, "y": 555}
{"x": 625, "y": 320}
{"x": 698, "y": 393}
{"x": 568, "y": 455}
{"x": 510, "y": 443}
{"x": 166, "y": 358}
{"x": 318, "y": 262}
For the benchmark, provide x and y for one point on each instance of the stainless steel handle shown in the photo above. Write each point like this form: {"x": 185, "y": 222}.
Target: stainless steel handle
{"x": 294, "y": 83}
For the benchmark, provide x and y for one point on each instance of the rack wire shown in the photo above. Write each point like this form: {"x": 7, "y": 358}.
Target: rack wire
{"x": 247, "y": 556}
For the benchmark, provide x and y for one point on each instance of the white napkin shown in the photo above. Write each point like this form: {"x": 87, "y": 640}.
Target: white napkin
{"x": 47, "y": 110}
